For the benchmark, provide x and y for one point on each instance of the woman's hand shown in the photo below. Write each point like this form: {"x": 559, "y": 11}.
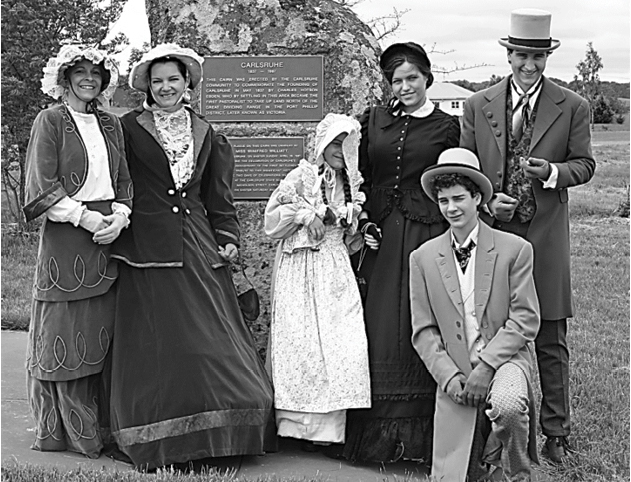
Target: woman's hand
{"x": 115, "y": 224}
{"x": 371, "y": 232}
{"x": 316, "y": 229}
{"x": 229, "y": 252}
{"x": 92, "y": 221}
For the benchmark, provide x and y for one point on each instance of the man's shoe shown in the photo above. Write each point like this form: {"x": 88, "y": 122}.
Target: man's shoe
{"x": 557, "y": 448}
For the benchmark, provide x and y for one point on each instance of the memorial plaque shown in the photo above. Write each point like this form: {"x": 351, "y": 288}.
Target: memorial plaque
{"x": 288, "y": 88}
{"x": 261, "y": 163}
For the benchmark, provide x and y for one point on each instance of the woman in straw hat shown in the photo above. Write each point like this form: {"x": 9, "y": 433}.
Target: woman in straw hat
{"x": 187, "y": 381}
{"x": 76, "y": 175}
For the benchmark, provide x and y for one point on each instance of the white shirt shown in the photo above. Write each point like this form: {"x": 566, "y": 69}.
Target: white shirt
{"x": 98, "y": 184}
{"x": 466, "y": 280}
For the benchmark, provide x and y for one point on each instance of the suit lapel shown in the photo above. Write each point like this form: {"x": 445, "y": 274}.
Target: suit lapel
{"x": 495, "y": 114}
{"x": 145, "y": 120}
{"x": 200, "y": 130}
{"x": 448, "y": 274}
{"x": 484, "y": 265}
{"x": 547, "y": 110}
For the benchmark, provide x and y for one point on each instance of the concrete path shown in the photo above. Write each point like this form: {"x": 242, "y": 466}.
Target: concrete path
{"x": 17, "y": 436}
{"x": 289, "y": 461}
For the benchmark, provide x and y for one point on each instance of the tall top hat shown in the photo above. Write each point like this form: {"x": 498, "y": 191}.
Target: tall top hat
{"x": 530, "y": 31}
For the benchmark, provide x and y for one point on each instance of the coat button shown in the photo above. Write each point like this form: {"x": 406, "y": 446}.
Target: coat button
{"x": 459, "y": 337}
{"x": 485, "y": 325}
{"x": 458, "y": 324}
{"x": 183, "y": 193}
{"x": 188, "y": 211}
{"x": 396, "y": 186}
{"x": 498, "y": 133}
{"x": 489, "y": 114}
{"x": 494, "y": 123}
{"x": 497, "y": 185}
{"x": 499, "y": 173}
{"x": 171, "y": 192}
{"x": 175, "y": 209}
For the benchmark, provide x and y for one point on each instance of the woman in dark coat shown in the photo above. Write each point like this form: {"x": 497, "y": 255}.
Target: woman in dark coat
{"x": 187, "y": 381}
{"x": 399, "y": 141}
{"x": 77, "y": 178}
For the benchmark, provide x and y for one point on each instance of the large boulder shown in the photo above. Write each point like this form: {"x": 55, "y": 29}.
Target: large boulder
{"x": 352, "y": 82}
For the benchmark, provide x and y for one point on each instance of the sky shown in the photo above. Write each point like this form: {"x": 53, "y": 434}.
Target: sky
{"x": 464, "y": 33}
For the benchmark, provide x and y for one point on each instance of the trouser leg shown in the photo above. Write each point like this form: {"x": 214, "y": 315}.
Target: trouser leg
{"x": 508, "y": 412}
{"x": 66, "y": 415}
{"x": 43, "y": 402}
{"x": 554, "y": 368}
{"x": 78, "y": 405}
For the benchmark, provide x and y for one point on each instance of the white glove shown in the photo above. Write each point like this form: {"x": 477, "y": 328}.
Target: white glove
{"x": 92, "y": 221}
{"x": 115, "y": 224}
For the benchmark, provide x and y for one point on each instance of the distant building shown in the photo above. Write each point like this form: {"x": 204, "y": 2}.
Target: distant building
{"x": 448, "y": 97}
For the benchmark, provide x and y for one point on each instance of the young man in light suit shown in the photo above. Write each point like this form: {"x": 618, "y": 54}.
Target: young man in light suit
{"x": 474, "y": 310}
{"x": 534, "y": 142}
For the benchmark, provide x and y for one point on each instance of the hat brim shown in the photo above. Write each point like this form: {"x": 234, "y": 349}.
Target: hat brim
{"x": 554, "y": 44}
{"x": 475, "y": 175}
{"x": 139, "y": 78}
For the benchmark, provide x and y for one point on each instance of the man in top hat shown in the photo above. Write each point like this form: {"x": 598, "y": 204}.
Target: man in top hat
{"x": 474, "y": 310}
{"x": 534, "y": 142}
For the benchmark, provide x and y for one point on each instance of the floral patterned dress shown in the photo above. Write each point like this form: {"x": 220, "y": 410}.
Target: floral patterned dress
{"x": 318, "y": 347}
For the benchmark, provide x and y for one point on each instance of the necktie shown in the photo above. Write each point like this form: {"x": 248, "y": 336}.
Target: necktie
{"x": 521, "y": 112}
{"x": 463, "y": 255}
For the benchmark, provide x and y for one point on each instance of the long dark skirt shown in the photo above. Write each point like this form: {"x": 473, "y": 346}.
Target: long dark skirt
{"x": 400, "y": 422}
{"x": 187, "y": 381}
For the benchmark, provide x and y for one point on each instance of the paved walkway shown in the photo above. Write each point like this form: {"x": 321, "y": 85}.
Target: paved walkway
{"x": 290, "y": 461}
{"x": 17, "y": 436}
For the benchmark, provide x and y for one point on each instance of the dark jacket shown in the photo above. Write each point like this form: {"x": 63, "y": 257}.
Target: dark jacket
{"x": 155, "y": 236}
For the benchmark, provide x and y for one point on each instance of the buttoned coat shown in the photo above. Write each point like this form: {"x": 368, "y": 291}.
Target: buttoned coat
{"x": 561, "y": 136}
{"x": 507, "y": 311}
{"x": 161, "y": 208}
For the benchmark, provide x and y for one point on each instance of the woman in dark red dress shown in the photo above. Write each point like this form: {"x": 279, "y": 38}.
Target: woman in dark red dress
{"x": 399, "y": 141}
{"x": 187, "y": 381}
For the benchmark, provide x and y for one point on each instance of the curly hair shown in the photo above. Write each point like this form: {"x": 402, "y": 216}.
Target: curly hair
{"x": 445, "y": 181}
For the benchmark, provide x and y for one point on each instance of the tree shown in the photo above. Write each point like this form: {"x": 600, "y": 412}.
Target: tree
{"x": 587, "y": 80}
{"x": 32, "y": 32}
{"x": 604, "y": 109}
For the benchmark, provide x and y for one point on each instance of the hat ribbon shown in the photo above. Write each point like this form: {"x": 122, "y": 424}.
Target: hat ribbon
{"x": 530, "y": 42}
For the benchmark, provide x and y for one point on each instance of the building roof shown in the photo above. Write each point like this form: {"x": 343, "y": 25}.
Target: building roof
{"x": 447, "y": 91}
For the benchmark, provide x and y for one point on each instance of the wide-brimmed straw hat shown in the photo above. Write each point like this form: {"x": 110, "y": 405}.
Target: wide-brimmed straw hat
{"x": 458, "y": 161}
{"x": 54, "y": 82}
{"x": 139, "y": 76}
{"x": 530, "y": 31}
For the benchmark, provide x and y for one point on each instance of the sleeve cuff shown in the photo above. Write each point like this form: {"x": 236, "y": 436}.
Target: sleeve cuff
{"x": 552, "y": 180}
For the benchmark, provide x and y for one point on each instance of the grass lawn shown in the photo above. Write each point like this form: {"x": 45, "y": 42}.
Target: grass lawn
{"x": 598, "y": 335}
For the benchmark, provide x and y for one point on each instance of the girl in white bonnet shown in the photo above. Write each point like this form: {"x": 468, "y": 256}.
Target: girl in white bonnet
{"x": 318, "y": 352}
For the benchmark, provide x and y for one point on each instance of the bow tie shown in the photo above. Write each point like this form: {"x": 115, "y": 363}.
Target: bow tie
{"x": 463, "y": 255}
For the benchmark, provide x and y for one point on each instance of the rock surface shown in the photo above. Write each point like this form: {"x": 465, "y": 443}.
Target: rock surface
{"x": 352, "y": 82}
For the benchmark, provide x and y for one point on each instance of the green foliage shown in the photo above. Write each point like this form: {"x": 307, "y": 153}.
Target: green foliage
{"x": 587, "y": 80}
{"x": 32, "y": 32}
{"x": 603, "y": 109}
{"x": 126, "y": 96}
